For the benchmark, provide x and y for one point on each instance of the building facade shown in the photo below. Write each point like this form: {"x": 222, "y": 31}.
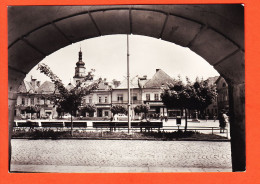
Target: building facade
{"x": 33, "y": 100}
{"x": 223, "y": 98}
{"x": 212, "y": 110}
{"x": 142, "y": 91}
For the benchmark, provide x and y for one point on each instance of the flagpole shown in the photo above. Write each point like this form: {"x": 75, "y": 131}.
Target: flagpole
{"x": 128, "y": 86}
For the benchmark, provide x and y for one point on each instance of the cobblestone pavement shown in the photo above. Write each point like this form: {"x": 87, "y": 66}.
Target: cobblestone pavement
{"x": 122, "y": 153}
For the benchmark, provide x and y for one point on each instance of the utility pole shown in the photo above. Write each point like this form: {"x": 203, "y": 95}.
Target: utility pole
{"x": 128, "y": 86}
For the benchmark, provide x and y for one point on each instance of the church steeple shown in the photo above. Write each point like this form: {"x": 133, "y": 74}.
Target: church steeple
{"x": 80, "y": 62}
{"x": 79, "y": 69}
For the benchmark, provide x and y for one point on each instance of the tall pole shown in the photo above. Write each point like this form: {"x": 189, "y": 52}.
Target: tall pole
{"x": 128, "y": 86}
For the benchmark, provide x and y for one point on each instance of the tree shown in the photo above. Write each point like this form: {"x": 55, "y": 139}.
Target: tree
{"x": 90, "y": 108}
{"x": 192, "y": 96}
{"x": 142, "y": 109}
{"x": 117, "y": 109}
{"x": 31, "y": 110}
{"x": 69, "y": 100}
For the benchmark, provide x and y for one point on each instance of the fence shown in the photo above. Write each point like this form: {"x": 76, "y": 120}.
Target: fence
{"x": 61, "y": 125}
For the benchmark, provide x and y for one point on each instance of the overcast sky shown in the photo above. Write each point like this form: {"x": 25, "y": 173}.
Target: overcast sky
{"x": 107, "y": 55}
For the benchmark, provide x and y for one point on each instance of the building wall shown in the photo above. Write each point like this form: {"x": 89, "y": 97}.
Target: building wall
{"x": 152, "y": 93}
{"x": 223, "y": 97}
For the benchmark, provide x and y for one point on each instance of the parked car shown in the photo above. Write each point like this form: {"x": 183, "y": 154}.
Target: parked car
{"x": 122, "y": 117}
{"x": 66, "y": 116}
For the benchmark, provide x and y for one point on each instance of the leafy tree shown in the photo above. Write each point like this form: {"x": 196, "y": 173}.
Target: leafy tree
{"x": 142, "y": 109}
{"x": 90, "y": 108}
{"x": 118, "y": 109}
{"x": 192, "y": 96}
{"x": 69, "y": 100}
{"x": 59, "y": 111}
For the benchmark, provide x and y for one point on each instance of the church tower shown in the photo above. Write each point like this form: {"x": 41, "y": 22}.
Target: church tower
{"x": 79, "y": 69}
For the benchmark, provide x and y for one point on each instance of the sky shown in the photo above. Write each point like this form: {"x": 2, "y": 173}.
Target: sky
{"x": 108, "y": 56}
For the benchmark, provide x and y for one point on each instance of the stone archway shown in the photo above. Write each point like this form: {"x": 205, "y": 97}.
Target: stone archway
{"x": 215, "y": 32}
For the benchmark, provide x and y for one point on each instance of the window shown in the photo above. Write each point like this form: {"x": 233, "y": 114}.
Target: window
{"x": 134, "y": 97}
{"x": 38, "y": 101}
{"x": 90, "y": 99}
{"x": 147, "y": 96}
{"x": 32, "y": 101}
{"x": 106, "y": 113}
{"x": 99, "y": 99}
{"x": 23, "y": 101}
{"x": 156, "y": 97}
{"x": 120, "y": 97}
{"x": 105, "y": 99}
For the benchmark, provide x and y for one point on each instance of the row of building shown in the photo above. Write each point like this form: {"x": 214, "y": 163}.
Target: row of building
{"x": 142, "y": 90}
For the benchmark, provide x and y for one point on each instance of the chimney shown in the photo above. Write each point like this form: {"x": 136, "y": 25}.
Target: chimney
{"x": 157, "y": 70}
{"x": 33, "y": 82}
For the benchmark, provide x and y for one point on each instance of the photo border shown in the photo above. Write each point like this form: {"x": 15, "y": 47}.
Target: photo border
{"x": 252, "y": 66}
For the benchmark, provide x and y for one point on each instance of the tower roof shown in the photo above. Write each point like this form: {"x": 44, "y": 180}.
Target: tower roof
{"x": 80, "y": 62}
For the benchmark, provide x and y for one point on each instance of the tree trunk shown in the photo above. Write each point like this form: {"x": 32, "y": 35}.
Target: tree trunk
{"x": 186, "y": 120}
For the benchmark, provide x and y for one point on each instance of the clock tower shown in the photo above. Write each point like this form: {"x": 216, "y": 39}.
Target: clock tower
{"x": 79, "y": 69}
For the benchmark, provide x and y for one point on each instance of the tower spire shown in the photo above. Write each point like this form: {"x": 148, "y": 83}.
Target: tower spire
{"x": 80, "y": 55}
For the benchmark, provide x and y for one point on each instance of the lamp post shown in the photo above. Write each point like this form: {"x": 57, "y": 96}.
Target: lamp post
{"x": 128, "y": 87}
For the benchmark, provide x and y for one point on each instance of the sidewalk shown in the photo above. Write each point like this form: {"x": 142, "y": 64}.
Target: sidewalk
{"x": 97, "y": 169}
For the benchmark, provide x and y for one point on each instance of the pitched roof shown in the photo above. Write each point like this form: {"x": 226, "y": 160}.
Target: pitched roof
{"x": 160, "y": 78}
{"x": 133, "y": 83}
{"x": 103, "y": 85}
{"x": 47, "y": 87}
{"x": 22, "y": 88}
{"x": 212, "y": 80}
{"x": 26, "y": 87}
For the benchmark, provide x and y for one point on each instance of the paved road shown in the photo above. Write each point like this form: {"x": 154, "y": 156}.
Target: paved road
{"x": 121, "y": 153}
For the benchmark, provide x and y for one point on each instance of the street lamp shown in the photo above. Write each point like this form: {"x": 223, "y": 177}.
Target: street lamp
{"x": 128, "y": 86}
